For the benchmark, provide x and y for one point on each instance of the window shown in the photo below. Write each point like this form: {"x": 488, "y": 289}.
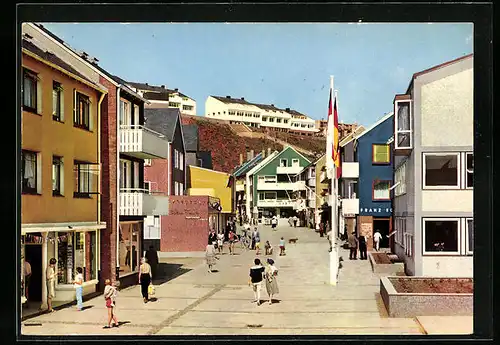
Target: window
{"x": 176, "y": 159}
{"x": 400, "y": 180}
{"x": 440, "y": 236}
{"x": 175, "y": 105}
{"x": 285, "y": 121}
{"x": 176, "y": 188}
{"x": 81, "y": 118}
{"x": 147, "y": 186}
{"x": 57, "y": 175}
{"x": 181, "y": 161}
{"x": 264, "y": 118}
{"x": 408, "y": 244}
{"x": 403, "y": 139}
{"x": 469, "y": 172}
{"x": 30, "y": 85}
{"x": 295, "y": 162}
{"x": 270, "y": 195}
{"x": 283, "y": 162}
{"x": 381, "y": 154}
{"x": 147, "y": 162}
{"x": 92, "y": 260}
{"x": 469, "y": 244}
{"x": 441, "y": 170}
{"x": 57, "y": 101}
{"x": 268, "y": 179}
{"x": 29, "y": 174}
{"x": 189, "y": 107}
{"x": 381, "y": 190}
{"x": 271, "y": 119}
{"x": 181, "y": 188}
{"x": 71, "y": 254}
{"x": 125, "y": 113}
{"x": 83, "y": 179}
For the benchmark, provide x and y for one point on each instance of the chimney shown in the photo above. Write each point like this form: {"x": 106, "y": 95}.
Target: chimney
{"x": 147, "y": 84}
{"x": 242, "y": 98}
{"x": 241, "y": 158}
{"x": 287, "y": 110}
{"x": 163, "y": 86}
{"x": 268, "y": 151}
{"x": 272, "y": 105}
{"x": 228, "y": 96}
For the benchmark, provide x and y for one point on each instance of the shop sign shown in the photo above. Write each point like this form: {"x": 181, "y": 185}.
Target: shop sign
{"x": 32, "y": 239}
{"x": 375, "y": 210}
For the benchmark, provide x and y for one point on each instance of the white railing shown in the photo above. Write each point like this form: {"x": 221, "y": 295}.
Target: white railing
{"x": 299, "y": 185}
{"x": 289, "y": 170}
{"x": 276, "y": 185}
{"x": 142, "y": 202}
{"x": 139, "y": 139}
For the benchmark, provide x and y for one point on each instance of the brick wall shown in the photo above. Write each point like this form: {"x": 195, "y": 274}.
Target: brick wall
{"x": 158, "y": 174}
{"x": 185, "y": 229}
{"x": 109, "y": 212}
{"x": 365, "y": 228}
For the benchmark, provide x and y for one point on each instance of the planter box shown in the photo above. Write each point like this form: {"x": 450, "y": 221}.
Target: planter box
{"x": 403, "y": 304}
{"x": 394, "y": 268}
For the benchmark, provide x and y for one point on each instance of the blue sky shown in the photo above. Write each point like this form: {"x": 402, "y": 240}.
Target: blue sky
{"x": 288, "y": 65}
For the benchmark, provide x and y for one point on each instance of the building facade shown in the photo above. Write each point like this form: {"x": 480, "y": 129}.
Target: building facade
{"x": 434, "y": 170}
{"x": 258, "y": 115}
{"x": 60, "y": 177}
{"x": 375, "y": 161}
{"x": 162, "y": 97}
{"x": 270, "y": 185}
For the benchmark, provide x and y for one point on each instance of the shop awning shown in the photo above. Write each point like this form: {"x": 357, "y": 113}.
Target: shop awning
{"x": 60, "y": 227}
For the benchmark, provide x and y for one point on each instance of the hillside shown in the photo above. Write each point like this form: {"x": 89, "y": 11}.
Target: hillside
{"x": 226, "y": 146}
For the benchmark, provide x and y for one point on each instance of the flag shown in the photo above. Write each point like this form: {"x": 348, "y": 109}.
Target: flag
{"x": 336, "y": 148}
{"x": 329, "y": 138}
{"x": 230, "y": 181}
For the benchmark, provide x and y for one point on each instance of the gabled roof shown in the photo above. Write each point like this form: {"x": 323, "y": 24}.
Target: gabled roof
{"x": 156, "y": 96}
{"x": 163, "y": 120}
{"x": 381, "y": 120}
{"x": 155, "y": 90}
{"x": 245, "y": 167}
{"x": 190, "y": 137}
{"x": 281, "y": 152}
{"x": 262, "y": 163}
{"x": 351, "y": 136}
{"x": 432, "y": 69}
{"x": 38, "y": 48}
{"x": 92, "y": 64}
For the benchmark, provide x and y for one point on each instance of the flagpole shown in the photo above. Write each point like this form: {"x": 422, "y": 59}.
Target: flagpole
{"x": 334, "y": 260}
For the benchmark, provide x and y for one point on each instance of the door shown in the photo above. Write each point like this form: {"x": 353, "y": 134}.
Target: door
{"x": 383, "y": 225}
{"x": 33, "y": 254}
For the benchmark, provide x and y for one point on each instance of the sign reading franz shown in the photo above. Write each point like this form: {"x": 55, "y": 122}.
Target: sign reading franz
{"x": 376, "y": 209}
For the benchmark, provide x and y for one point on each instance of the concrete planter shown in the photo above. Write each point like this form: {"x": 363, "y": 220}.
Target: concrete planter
{"x": 394, "y": 268}
{"x": 423, "y": 304}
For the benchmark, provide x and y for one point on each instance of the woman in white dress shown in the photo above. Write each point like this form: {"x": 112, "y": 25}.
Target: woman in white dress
{"x": 271, "y": 274}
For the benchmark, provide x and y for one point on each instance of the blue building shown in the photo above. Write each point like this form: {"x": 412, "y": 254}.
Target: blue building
{"x": 373, "y": 152}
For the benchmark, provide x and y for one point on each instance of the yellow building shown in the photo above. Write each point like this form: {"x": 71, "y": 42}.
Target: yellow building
{"x": 215, "y": 184}
{"x": 60, "y": 180}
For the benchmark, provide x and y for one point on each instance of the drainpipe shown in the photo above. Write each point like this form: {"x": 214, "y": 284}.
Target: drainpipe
{"x": 118, "y": 176}
{"x": 99, "y": 179}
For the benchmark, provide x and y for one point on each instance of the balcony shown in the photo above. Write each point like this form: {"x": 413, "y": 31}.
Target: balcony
{"x": 293, "y": 186}
{"x": 140, "y": 202}
{"x": 275, "y": 203}
{"x": 289, "y": 170}
{"x": 350, "y": 207}
{"x": 350, "y": 170}
{"x": 311, "y": 182}
{"x": 240, "y": 187}
{"x": 143, "y": 143}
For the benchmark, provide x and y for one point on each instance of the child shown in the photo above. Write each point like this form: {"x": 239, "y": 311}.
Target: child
{"x": 79, "y": 288}
{"x": 110, "y": 298}
{"x": 268, "y": 248}
{"x": 282, "y": 246}
{"x": 257, "y": 247}
{"x": 220, "y": 242}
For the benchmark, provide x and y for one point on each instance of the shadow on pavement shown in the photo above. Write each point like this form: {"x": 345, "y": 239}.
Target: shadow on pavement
{"x": 87, "y": 307}
{"x": 121, "y": 323}
{"x": 166, "y": 272}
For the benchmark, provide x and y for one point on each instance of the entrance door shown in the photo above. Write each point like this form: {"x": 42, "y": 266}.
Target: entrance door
{"x": 33, "y": 254}
{"x": 383, "y": 225}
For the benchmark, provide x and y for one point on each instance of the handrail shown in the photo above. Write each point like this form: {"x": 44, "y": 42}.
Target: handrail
{"x": 143, "y": 128}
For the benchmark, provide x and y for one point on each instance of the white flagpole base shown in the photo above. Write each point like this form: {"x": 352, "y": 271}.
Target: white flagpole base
{"x": 334, "y": 265}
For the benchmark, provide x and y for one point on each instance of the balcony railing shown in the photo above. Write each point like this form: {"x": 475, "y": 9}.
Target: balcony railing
{"x": 141, "y": 202}
{"x": 141, "y": 142}
{"x": 293, "y": 186}
{"x": 289, "y": 170}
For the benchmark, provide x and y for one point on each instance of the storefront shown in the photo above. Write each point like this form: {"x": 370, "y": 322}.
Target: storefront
{"x": 130, "y": 247}
{"x": 77, "y": 246}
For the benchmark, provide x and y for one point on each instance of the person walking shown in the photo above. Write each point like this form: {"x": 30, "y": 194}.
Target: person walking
{"x": 232, "y": 239}
{"x": 27, "y": 276}
{"x": 274, "y": 222}
{"x": 110, "y": 298}
{"x": 353, "y": 245}
{"x": 144, "y": 278}
{"x": 268, "y": 248}
{"x": 321, "y": 230}
{"x": 256, "y": 277}
{"x": 282, "y": 246}
{"x": 362, "y": 247}
{"x": 78, "y": 284}
{"x": 51, "y": 283}
{"x": 271, "y": 274}
{"x": 210, "y": 256}
{"x": 152, "y": 257}
{"x": 220, "y": 242}
{"x": 212, "y": 237}
{"x": 257, "y": 241}
{"x": 254, "y": 236}
{"x": 295, "y": 219}
{"x": 376, "y": 240}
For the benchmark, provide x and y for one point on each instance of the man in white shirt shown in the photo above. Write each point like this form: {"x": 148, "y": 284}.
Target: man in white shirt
{"x": 376, "y": 240}
{"x": 274, "y": 222}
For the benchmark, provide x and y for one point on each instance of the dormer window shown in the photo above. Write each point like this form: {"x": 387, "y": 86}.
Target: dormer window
{"x": 403, "y": 138}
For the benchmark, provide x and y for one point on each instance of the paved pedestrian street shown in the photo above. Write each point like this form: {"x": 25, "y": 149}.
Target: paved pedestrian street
{"x": 202, "y": 303}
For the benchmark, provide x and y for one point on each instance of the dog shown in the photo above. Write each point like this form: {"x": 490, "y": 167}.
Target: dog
{"x": 293, "y": 240}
